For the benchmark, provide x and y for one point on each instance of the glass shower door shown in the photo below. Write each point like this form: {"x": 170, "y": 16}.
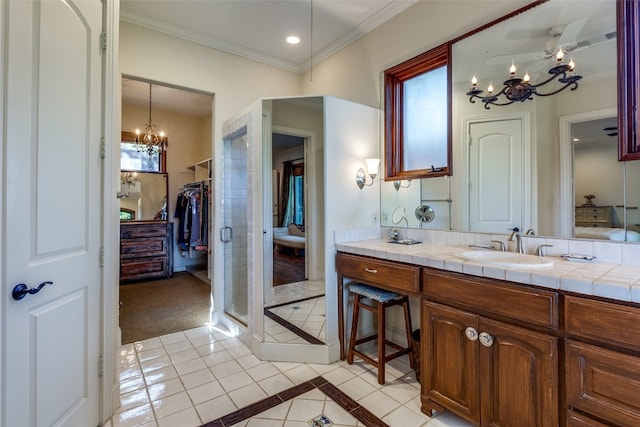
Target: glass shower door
{"x": 233, "y": 233}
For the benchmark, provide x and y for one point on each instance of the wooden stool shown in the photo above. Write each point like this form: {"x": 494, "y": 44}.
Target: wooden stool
{"x": 380, "y": 300}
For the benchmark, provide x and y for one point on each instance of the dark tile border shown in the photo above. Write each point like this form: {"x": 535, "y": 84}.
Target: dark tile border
{"x": 348, "y": 404}
{"x": 290, "y": 326}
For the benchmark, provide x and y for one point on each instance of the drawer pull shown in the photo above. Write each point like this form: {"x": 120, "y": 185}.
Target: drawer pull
{"x": 471, "y": 333}
{"x": 370, "y": 270}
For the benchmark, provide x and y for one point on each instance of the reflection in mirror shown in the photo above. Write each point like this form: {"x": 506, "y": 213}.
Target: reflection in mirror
{"x": 527, "y": 40}
{"x": 143, "y": 196}
{"x": 599, "y": 180}
{"x": 294, "y": 303}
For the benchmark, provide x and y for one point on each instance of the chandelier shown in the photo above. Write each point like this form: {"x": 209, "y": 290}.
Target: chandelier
{"x": 130, "y": 179}
{"x": 150, "y": 141}
{"x": 521, "y": 89}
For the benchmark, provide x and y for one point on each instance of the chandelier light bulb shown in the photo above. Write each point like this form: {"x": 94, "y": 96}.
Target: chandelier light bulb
{"x": 526, "y": 77}
{"x": 474, "y": 81}
{"x": 559, "y": 55}
{"x": 572, "y": 64}
{"x": 490, "y": 88}
{"x": 512, "y": 69}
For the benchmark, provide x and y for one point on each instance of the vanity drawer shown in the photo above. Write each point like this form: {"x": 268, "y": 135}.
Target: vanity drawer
{"x": 373, "y": 271}
{"x": 603, "y": 383}
{"x": 493, "y": 298}
{"x": 614, "y": 324}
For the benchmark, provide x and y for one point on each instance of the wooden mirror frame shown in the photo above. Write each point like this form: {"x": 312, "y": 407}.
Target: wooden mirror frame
{"x": 628, "y": 25}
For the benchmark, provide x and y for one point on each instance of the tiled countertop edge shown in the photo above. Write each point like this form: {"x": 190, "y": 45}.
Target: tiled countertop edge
{"x": 617, "y": 281}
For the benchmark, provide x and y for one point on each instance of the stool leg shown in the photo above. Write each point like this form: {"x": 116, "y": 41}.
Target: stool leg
{"x": 382, "y": 309}
{"x": 354, "y": 327}
{"x": 409, "y": 329}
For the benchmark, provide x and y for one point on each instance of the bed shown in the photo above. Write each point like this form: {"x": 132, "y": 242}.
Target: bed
{"x": 292, "y": 237}
{"x": 604, "y": 233}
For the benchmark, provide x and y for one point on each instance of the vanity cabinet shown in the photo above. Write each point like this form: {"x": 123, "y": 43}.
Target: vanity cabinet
{"x": 489, "y": 350}
{"x": 602, "y": 359}
{"x": 146, "y": 250}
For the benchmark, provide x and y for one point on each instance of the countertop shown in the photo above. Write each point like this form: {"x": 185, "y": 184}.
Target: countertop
{"x": 615, "y": 281}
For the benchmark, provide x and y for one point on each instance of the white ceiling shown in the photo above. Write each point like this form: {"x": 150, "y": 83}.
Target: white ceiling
{"x": 254, "y": 29}
{"x": 257, "y": 29}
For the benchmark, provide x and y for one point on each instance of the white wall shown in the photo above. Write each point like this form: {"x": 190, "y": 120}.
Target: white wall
{"x": 235, "y": 81}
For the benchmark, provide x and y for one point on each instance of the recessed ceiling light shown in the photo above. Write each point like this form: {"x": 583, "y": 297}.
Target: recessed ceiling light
{"x": 293, "y": 40}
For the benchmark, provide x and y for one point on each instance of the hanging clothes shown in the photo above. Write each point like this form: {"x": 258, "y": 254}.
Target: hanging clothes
{"x": 192, "y": 214}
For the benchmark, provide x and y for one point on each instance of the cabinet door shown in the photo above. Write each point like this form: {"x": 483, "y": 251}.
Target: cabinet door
{"x": 450, "y": 360}
{"x": 519, "y": 376}
{"x": 603, "y": 383}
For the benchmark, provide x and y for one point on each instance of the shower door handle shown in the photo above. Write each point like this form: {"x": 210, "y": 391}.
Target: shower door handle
{"x": 224, "y": 232}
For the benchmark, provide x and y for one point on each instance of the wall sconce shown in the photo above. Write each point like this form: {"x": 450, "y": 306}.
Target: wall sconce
{"x": 372, "y": 171}
{"x": 398, "y": 184}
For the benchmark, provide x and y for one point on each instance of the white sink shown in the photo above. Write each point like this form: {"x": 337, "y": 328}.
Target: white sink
{"x": 507, "y": 259}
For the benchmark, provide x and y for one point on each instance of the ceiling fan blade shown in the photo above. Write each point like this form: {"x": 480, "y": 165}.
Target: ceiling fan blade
{"x": 516, "y": 58}
{"x": 569, "y": 38}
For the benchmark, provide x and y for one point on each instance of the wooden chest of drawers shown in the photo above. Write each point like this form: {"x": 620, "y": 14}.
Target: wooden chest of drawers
{"x": 594, "y": 216}
{"x": 146, "y": 250}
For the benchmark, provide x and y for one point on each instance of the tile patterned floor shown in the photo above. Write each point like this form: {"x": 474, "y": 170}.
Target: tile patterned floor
{"x": 205, "y": 377}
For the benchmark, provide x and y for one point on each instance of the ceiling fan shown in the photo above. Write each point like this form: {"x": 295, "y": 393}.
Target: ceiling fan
{"x": 565, "y": 37}
{"x": 611, "y": 130}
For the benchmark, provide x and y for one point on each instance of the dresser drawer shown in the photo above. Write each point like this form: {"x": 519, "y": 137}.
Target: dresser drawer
{"x": 386, "y": 274}
{"x": 132, "y": 231}
{"x": 144, "y": 247}
{"x": 593, "y": 224}
{"x": 492, "y": 298}
{"x": 609, "y": 323}
{"x": 143, "y": 268}
{"x": 603, "y": 383}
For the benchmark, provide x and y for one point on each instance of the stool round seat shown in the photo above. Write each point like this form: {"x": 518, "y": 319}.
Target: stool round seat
{"x": 380, "y": 300}
{"x": 371, "y": 292}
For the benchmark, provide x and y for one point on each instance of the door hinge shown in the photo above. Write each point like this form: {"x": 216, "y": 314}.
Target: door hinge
{"x": 100, "y": 366}
{"x": 103, "y": 148}
{"x": 101, "y": 257}
{"x": 103, "y": 40}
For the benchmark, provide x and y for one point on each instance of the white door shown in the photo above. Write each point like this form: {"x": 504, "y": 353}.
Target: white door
{"x": 51, "y": 194}
{"x": 496, "y": 166}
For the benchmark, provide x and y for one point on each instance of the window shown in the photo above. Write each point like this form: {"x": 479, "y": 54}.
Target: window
{"x": 131, "y": 159}
{"x": 418, "y": 116}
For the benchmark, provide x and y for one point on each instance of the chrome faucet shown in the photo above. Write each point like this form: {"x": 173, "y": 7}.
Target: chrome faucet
{"x": 515, "y": 236}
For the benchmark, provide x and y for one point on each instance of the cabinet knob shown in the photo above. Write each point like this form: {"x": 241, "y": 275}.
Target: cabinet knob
{"x": 471, "y": 333}
{"x": 486, "y": 339}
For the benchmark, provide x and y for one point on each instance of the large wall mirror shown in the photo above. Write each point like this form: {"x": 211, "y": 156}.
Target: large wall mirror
{"x": 144, "y": 186}
{"x": 530, "y": 164}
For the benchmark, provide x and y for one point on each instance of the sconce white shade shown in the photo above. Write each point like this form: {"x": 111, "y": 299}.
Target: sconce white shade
{"x": 372, "y": 166}
{"x": 372, "y": 171}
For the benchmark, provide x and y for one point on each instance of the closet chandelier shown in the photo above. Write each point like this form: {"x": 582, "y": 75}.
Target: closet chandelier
{"x": 129, "y": 179}
{"x": 150, "y": 141}
{"x": 521, "y": 89}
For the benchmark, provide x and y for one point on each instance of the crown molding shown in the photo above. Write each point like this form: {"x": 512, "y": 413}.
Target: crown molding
{"x": 364, "y": 27}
